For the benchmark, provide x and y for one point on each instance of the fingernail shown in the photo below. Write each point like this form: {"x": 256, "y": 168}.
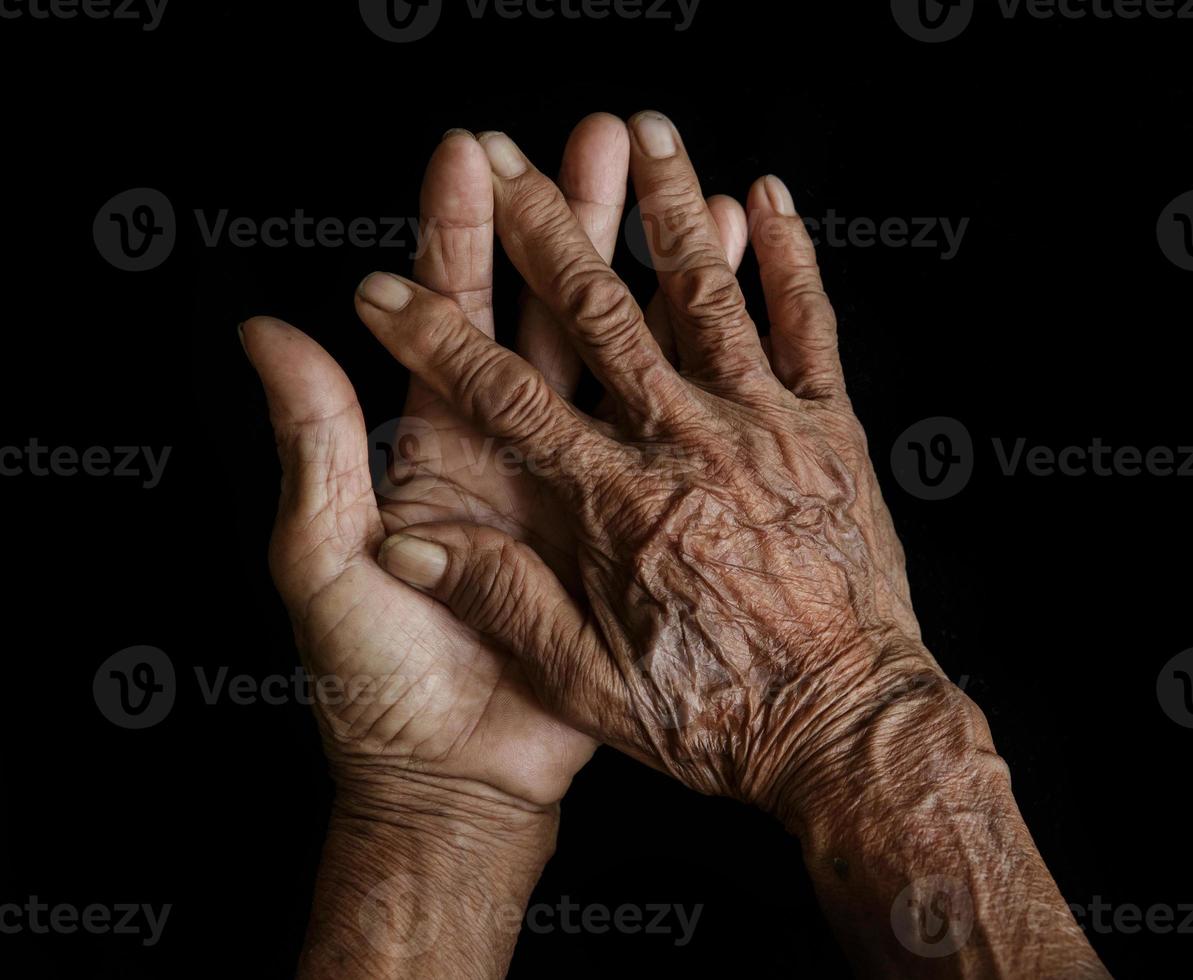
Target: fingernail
{"x": 456, "y": 132}
{"x": 656, "y": 134}
{"x": 385, "y": 292}
{"x": 504, "y": 156}
{"x": 240, "y": 334}
{"x": 415, "y": 561}
{"x": 780, "y": 196}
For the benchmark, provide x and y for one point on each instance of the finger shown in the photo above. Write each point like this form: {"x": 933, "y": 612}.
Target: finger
{"x": 593, "y": 181}
{"x": 803, "y": 328}
{"x": 503, "y": 590}
{"x": 715, "y": 337}
{"x": 549, "y": 248}
{"x": 455, "y": 256}
{"x": 327, "y": 512}
{"x": 487, "y": 384}
{"x": 732, "y": 229}
{"x": 733, "y": 234}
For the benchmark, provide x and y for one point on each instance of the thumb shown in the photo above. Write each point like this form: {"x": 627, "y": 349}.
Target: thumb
{"x": 327, "y": 512}
{"x": 502, "y": 589}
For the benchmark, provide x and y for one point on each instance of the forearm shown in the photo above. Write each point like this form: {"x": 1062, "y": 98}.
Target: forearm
{"x": 423, "y": 879}
{"x": 920, "y": 857}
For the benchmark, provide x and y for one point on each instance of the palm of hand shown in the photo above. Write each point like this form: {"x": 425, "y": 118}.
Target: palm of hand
{"x": 410, "y": 685}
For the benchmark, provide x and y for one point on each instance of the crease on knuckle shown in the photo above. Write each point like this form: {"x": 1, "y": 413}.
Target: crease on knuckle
{"x": 487, "y": 595}
{"x": 709, "y": 293}
{"x": 513, "y": 400}
{"x": 536, "y": 205}
{"x": 441, "y": 335}
{"x": 817, "y": 384}
{"x": 801, "y": 298}
{"x": 603, "y": 311}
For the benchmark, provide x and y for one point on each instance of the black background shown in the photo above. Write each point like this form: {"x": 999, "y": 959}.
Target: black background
{"x": 1057, "y": 599}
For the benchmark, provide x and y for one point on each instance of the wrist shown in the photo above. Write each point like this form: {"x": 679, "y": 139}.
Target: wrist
{"x": 913, "y": 840}
{"x": 921, "y": 748}
{"x": 881, "y": 706}
{"x": 445, "y": 811}
{"x": 423, "y": 876}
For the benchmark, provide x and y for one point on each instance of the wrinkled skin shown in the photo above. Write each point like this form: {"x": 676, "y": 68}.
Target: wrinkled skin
{"x": 739, "y": 596}
{"x": 743, "y": 607}
{"x": 417, "y": 691}
{"x": 703, "y": 575}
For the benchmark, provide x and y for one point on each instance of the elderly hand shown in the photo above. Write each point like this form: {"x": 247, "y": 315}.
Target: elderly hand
{"x": 744, "y": 609}
{"x": 742, "y": 618}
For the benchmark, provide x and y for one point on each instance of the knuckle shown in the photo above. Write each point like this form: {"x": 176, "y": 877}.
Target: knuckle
{"x": 498, "y": 388}
{"x": 487, "y": 595}
{"x": 817, "y": 384}
{"x": 443, "y": 333}
{"x": 523, "y": 408}
{"x": 537, "y": 204}
{"x": 710, "y": 294}
{"x": 602, "y": 309}
{"x": 801, "y": 298}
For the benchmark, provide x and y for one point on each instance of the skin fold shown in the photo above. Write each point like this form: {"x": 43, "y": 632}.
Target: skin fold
{"x": 702, "y": 574}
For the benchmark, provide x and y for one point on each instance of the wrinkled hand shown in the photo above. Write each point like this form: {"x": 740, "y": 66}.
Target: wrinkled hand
{"x": 407, "y": 688}
{"x": 743, "y": 610}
